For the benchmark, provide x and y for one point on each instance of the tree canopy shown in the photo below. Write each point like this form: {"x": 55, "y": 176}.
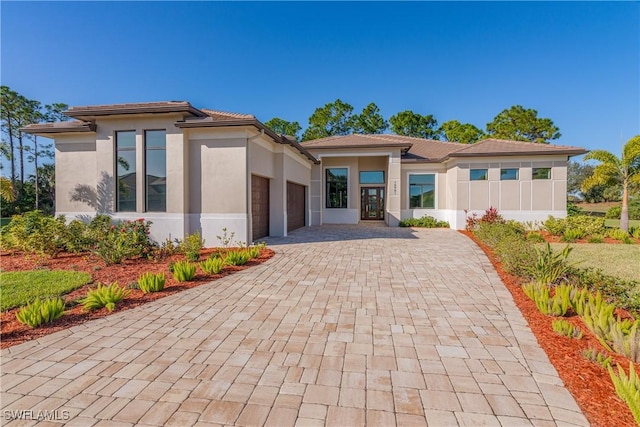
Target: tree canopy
{"x": 520, "y": 124}
{"x": 612, "y": 170}
{"x": 464, "y": 133}
{"x": 408, "y": 123}
{"x": 334, "y": 118}
{"x": 284, "y": 127}
{"x": 370, "y": 121}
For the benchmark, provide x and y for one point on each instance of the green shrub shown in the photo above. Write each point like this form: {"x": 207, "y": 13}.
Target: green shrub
{"x": 623, "y": 293}
{"x": 550, "y": 267}
{"x": 149, "y": 282}
{"x": 587, "y": 225}
{"x": 566, "y": 329}
{"x": 571, "y": 235}
{"x": 104, "y": 296}
{"x": 628, "y": 388}
{"x": 598, "y": 357}
{"x": 125, "y": 240}
{"x": 595, "y": 239}
{"x": 573, "y": 209}
{"x": 254, "y": 251}
{"x": 535, "y": 237}
{"x": 35, "y": 233}
{"x": 555, "y": 226}
{"x": 490, "y": 216}
{"x": 635, "y": 232}
{"x": 39, "y": 312}
{"x": 426, "y": 222}
{"x": 618, "y": 234}
{"x": 556, "y": 305}
{"x": 509, "y": 244}
{"x": 191, "y": 246}
{"x": 237, "y": 257}
{"x": 614, "y": 212}
{"x": 212, "y": 265}
{"x": 183, "y": 271}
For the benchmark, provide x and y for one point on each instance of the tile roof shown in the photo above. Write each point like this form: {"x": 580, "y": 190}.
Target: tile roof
{"x": 427, "y": 150}
{"x": 225, "y": 115}
{"x": 133, "y": 108}
{"x": 60, "y": 127}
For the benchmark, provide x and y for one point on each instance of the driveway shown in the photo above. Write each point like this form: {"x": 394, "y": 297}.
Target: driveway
{"x": 346, "y": 325}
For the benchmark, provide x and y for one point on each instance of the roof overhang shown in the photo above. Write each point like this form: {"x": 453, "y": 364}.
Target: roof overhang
{"x": 576, "y": 152}
{"x": 47, "y": 129}
{"x": 90, "y": 112}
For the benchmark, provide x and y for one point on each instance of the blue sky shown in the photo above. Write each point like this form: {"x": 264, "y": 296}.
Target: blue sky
{"x": 576, "y": 63}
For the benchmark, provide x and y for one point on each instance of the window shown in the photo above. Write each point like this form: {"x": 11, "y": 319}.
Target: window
{"x": 508, "y": 174}
{"x": 126, "y": 171}
{"x": 541, "y": 173}
{"x": 155, "y": 170}
{"x": 422, "y": 191}
{"x": 479, "y": 174}
{"x": 336, "y": 181}
{"x": 372, "y": 177}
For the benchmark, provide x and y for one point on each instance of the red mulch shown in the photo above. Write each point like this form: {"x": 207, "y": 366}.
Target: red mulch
{"x": 548, "y": 237}
{"x": 13, "y": 332}
{"x": 587, "y": 381}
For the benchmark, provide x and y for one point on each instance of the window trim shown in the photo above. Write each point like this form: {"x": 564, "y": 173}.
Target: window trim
{"x": 550, "y": 176}
{"x": 324, "y": 186}
{"x": 144, "y": 144}
{"x": 115, "y": 166}
{"x": 486, "y": 174}
{"x": 435, "y": 189}
{"x": 517, "y": 178}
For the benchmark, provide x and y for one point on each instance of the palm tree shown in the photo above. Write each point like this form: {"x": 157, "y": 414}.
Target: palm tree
{"x": 614, "y": 170}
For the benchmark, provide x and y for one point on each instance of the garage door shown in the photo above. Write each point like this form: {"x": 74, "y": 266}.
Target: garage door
{"x": 295, "y": 206}
{"x": 260, "y": 206}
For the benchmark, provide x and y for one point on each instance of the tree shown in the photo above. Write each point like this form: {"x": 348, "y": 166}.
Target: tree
{"x": 6, "y": 189}
{"x": 464, "y": 133}
{"x": 284, "y": 127}
{"x": 370, "y": 121}
{"x": 612, "y": 170}
{"x": 519, "y": 124}
{"x": 8, "y": 111}
{"x": 408, "y": 123}
{"x": 335, "y": 118}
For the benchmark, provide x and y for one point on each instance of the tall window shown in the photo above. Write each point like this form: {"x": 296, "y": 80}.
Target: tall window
{"x": 422, "y": 191}
{"x": 126, "y": 171}
{"x": 155, "y": 170}
{"x": 336, "y": 179}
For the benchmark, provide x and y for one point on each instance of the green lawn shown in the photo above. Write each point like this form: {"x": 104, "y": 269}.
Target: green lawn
{"x": 618, "y": 260}
{"x": 17, "y": 288}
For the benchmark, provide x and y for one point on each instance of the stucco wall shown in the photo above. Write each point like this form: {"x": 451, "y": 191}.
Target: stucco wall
{"x": 75, "y": 173}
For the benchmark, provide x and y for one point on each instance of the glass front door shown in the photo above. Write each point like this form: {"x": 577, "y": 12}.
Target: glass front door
{"x": 372, "y": 203}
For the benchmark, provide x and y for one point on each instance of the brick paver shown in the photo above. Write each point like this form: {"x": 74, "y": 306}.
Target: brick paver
{"x": 347, "y": 325}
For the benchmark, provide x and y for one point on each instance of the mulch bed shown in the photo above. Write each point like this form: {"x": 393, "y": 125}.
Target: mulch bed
{"x": 588, "y": 382}
{"x": 13, "y": 332}
{"x": 548, "y": 237}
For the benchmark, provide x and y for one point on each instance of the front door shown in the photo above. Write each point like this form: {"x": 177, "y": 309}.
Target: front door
{"x": 372, "y": 203}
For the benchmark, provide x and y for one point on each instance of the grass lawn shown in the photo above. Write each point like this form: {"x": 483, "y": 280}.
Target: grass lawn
{"x": 615, "y": 223}
{"x": 618, "y": 260}
{"x": 17, "y": 288}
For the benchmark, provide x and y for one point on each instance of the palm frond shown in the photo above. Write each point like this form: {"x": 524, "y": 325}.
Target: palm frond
{"x": 631, "y": 152}
{"x": 6, "y": 190}
{"x": 603, "y": 156}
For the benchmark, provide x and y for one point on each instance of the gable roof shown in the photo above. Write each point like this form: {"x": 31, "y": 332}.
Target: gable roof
{"x": 428, "y": 150}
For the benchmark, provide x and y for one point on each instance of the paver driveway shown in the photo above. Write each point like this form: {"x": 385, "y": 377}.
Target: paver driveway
{"x": 345, "y": 326}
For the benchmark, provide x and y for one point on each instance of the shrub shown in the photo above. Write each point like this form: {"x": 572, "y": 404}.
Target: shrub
{"x": 598, "y": 357}
{"x": 35, "y": 233}
{"x": 183, "y": 271}
{"x": 212, "y": 265}
{"x": 618, "y": 234}
{"x": 555, "y": 226}
{"x": 635, "y": 232}
{"x": 550, "y": 267}
{"x": 149, "y": 282}
{"x": 535, "y": 237}
{"x": 226, "y": 238}
{"x": 595, "y": 239}
{"x": 509, "y": 244}
{"x": 573, "y": 209}
{"x": 191, "y": 246}
{"x": 615, "y": 212}
{"x": 587, "y": 225}
{"x": 566, "y": 329}
{"x": 628, "y": 388}
{"x": 426, "y": 221}
{"x": 571, "y": 235}
{"x": 104, "y": 296}
{"x": 624, "y": 293}
{"x": 125, "y": 240}
{"x": 39, "y": 312}
{"x": 558, "y": 305}
{"x": 254, "y": 251}
{"x": 237, "y": 257}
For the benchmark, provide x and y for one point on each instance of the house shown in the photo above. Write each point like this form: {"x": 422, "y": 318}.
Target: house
{"x": 188, "y": 169}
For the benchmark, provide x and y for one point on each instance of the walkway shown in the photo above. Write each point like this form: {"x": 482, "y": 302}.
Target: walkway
{"x": 345, "y": 326}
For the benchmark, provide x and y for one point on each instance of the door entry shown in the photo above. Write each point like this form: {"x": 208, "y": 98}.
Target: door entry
{"x": 372, "y": 203}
